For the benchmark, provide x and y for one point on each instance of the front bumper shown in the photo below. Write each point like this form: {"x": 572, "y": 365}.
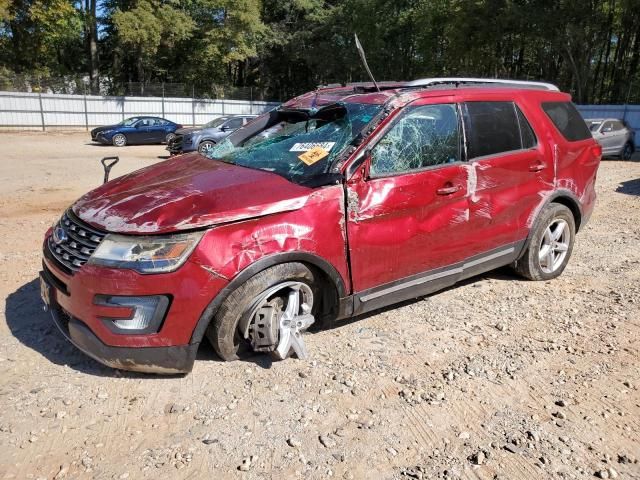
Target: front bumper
{"x": 100, "y": 138}
{"x": 82, "y": 318}
{"x": 182, "y": 144}
{"x": 164, "y": 360}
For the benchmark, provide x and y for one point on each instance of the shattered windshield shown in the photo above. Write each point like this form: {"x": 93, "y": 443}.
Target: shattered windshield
{"x": 299, "y": 144}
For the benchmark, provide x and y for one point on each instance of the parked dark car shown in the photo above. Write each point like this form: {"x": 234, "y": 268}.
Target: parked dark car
{"x": 136, "y": 130}
{"x": 340, "y": 202}
{"x": 205, "y": 137}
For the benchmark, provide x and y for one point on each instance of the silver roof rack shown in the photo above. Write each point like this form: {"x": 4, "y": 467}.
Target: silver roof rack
{"x": 426, "y": 82}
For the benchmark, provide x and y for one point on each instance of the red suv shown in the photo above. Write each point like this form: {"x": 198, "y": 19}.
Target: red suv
{"x": 339, "y": 202}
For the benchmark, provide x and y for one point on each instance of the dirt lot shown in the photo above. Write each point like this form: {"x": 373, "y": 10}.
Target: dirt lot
{"x": 496, "y": 378}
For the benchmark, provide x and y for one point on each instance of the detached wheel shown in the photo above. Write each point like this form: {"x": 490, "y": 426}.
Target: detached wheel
{"x": 550, "y": 246}
{"x": 268, "y": 313}
{"x": 205, "y": 147}
{"x": 627, "y": 151}
{"x": 119, "y": 140}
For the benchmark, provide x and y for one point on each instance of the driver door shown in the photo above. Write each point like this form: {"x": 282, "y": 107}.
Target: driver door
{"x": 408, "y": 213}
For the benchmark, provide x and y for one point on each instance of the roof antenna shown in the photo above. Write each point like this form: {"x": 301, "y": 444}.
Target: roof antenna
{"x": 364, "y": 61}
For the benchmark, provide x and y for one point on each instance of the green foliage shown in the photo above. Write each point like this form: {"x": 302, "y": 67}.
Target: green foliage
{"x": 590, "y": 48}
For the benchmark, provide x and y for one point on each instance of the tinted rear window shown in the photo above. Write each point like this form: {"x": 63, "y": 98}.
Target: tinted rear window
{"x": 567, "y": 120}
{"x": 492, "y": 127}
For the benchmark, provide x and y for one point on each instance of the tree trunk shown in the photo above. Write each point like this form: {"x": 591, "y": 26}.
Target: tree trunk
{"x": 91, "y": 29}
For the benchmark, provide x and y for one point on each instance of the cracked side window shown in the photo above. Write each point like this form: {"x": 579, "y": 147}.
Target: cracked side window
{"x": 424, "y": 136}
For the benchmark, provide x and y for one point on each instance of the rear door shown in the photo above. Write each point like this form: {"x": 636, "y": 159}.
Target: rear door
{"x": 509, "y": 171}
{"x": 407, "y": 207}
{"x": 156, "y": 132}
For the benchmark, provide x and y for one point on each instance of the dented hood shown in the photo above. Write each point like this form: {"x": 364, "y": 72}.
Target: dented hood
{"x": 187, "y": 192}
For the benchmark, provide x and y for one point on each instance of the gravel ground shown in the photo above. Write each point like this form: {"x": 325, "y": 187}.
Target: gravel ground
{"x": 495, "y": 378}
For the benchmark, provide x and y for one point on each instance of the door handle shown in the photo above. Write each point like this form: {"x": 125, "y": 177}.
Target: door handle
{"x": 537, "y": 167}
{"x": 448, "y": 189}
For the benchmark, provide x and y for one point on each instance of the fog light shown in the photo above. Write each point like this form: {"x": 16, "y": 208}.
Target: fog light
{"x": 148, "y": 313}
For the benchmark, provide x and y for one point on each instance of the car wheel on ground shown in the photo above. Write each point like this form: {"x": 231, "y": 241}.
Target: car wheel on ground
{"x": 627, "y": 151}
{"x": 169, "y": 137}
{"x": 268, "y": 313}
{"x": 550, "y": 245}
{"x": 119, "y": 140}
{"x": 205, "y": 146}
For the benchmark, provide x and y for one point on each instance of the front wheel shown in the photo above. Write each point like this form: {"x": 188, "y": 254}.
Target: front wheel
{"x": 550, "y": 245}
{"x": 119, "y": 140}
{"x": 627, "y": 151}
{"x": 268, "y": 313}
{"x": 169, "y": 137}
{"x": 205, "y": 147}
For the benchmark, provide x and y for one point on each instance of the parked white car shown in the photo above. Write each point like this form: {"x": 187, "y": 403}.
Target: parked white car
{"x": 615, "y": 136}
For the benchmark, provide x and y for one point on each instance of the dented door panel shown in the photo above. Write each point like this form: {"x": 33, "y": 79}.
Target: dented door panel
{"x": 399, "y": 226}
{"x": 505, "y": 195}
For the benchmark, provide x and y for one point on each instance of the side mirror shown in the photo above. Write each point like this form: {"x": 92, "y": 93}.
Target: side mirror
{"x": 224, "y": 128}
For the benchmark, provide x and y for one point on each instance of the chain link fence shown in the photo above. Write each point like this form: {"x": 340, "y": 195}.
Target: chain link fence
{"x": 73, "y": 85}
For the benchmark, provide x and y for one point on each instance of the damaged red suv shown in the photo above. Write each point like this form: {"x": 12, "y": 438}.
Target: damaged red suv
{"x": 339, "y": 202}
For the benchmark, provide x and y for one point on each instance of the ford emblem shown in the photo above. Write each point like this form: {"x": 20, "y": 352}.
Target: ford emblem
{"x": 59, "y": 235}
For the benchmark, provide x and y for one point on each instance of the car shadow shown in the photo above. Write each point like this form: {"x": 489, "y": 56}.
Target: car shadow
{"x": 630, "y": 187}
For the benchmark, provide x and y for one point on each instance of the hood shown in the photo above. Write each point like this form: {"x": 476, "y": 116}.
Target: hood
{"x": 106, "y": 127}
{"x": 185, "y": 131}
{"x": 184, "y": 193}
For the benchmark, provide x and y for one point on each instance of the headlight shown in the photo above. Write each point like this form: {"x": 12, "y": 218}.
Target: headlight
{"x": 145, "y": 254}
{"x": 195, "y": 132}
{"x": 105, "y": 132}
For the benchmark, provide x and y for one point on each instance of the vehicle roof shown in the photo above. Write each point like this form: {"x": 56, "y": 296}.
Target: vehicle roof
{"x": 367, "y": 93}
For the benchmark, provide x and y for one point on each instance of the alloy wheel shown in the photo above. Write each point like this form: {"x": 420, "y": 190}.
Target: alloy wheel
{"x": 119, "y": 140}
{"x": 554, "y": 245}
{"x": 205, "y": 147}
{"x": 278, "y": 317}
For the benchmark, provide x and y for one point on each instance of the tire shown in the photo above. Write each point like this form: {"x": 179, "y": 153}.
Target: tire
{"x": 169, "y": 137}
{"x": 119, "y": 140}
{"x": 223, "y": 332}
{"x": 627, "y": 151}
{"x": 205, "y": 146}
{"x": 534, "y": 264}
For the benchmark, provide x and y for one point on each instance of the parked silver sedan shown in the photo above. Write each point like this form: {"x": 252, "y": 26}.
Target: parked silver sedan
{"x": 615, "y": 136}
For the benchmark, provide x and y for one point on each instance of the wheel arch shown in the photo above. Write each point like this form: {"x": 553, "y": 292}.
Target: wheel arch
{"x": 329, "y": 274}
{"x": 569, "y": 200}
{"x": 562, "y": 197}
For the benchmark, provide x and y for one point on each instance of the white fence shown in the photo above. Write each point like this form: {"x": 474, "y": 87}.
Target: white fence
{"x": 33, "y": 110}
{"x": 41, "y": 111}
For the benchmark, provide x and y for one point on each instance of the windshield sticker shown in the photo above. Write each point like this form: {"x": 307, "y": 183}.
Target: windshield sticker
{"x": 312, "y": 156}
{"x": 305, "y": 147}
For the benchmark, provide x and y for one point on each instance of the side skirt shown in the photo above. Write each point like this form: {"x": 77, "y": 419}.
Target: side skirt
{"x": 428, "y": 282}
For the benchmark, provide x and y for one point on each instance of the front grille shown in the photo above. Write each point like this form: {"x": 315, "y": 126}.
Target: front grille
{"x": 74, "y": 243}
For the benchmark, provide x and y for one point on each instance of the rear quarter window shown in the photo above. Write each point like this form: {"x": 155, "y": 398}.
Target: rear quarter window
{"x": 567, "y": 120}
